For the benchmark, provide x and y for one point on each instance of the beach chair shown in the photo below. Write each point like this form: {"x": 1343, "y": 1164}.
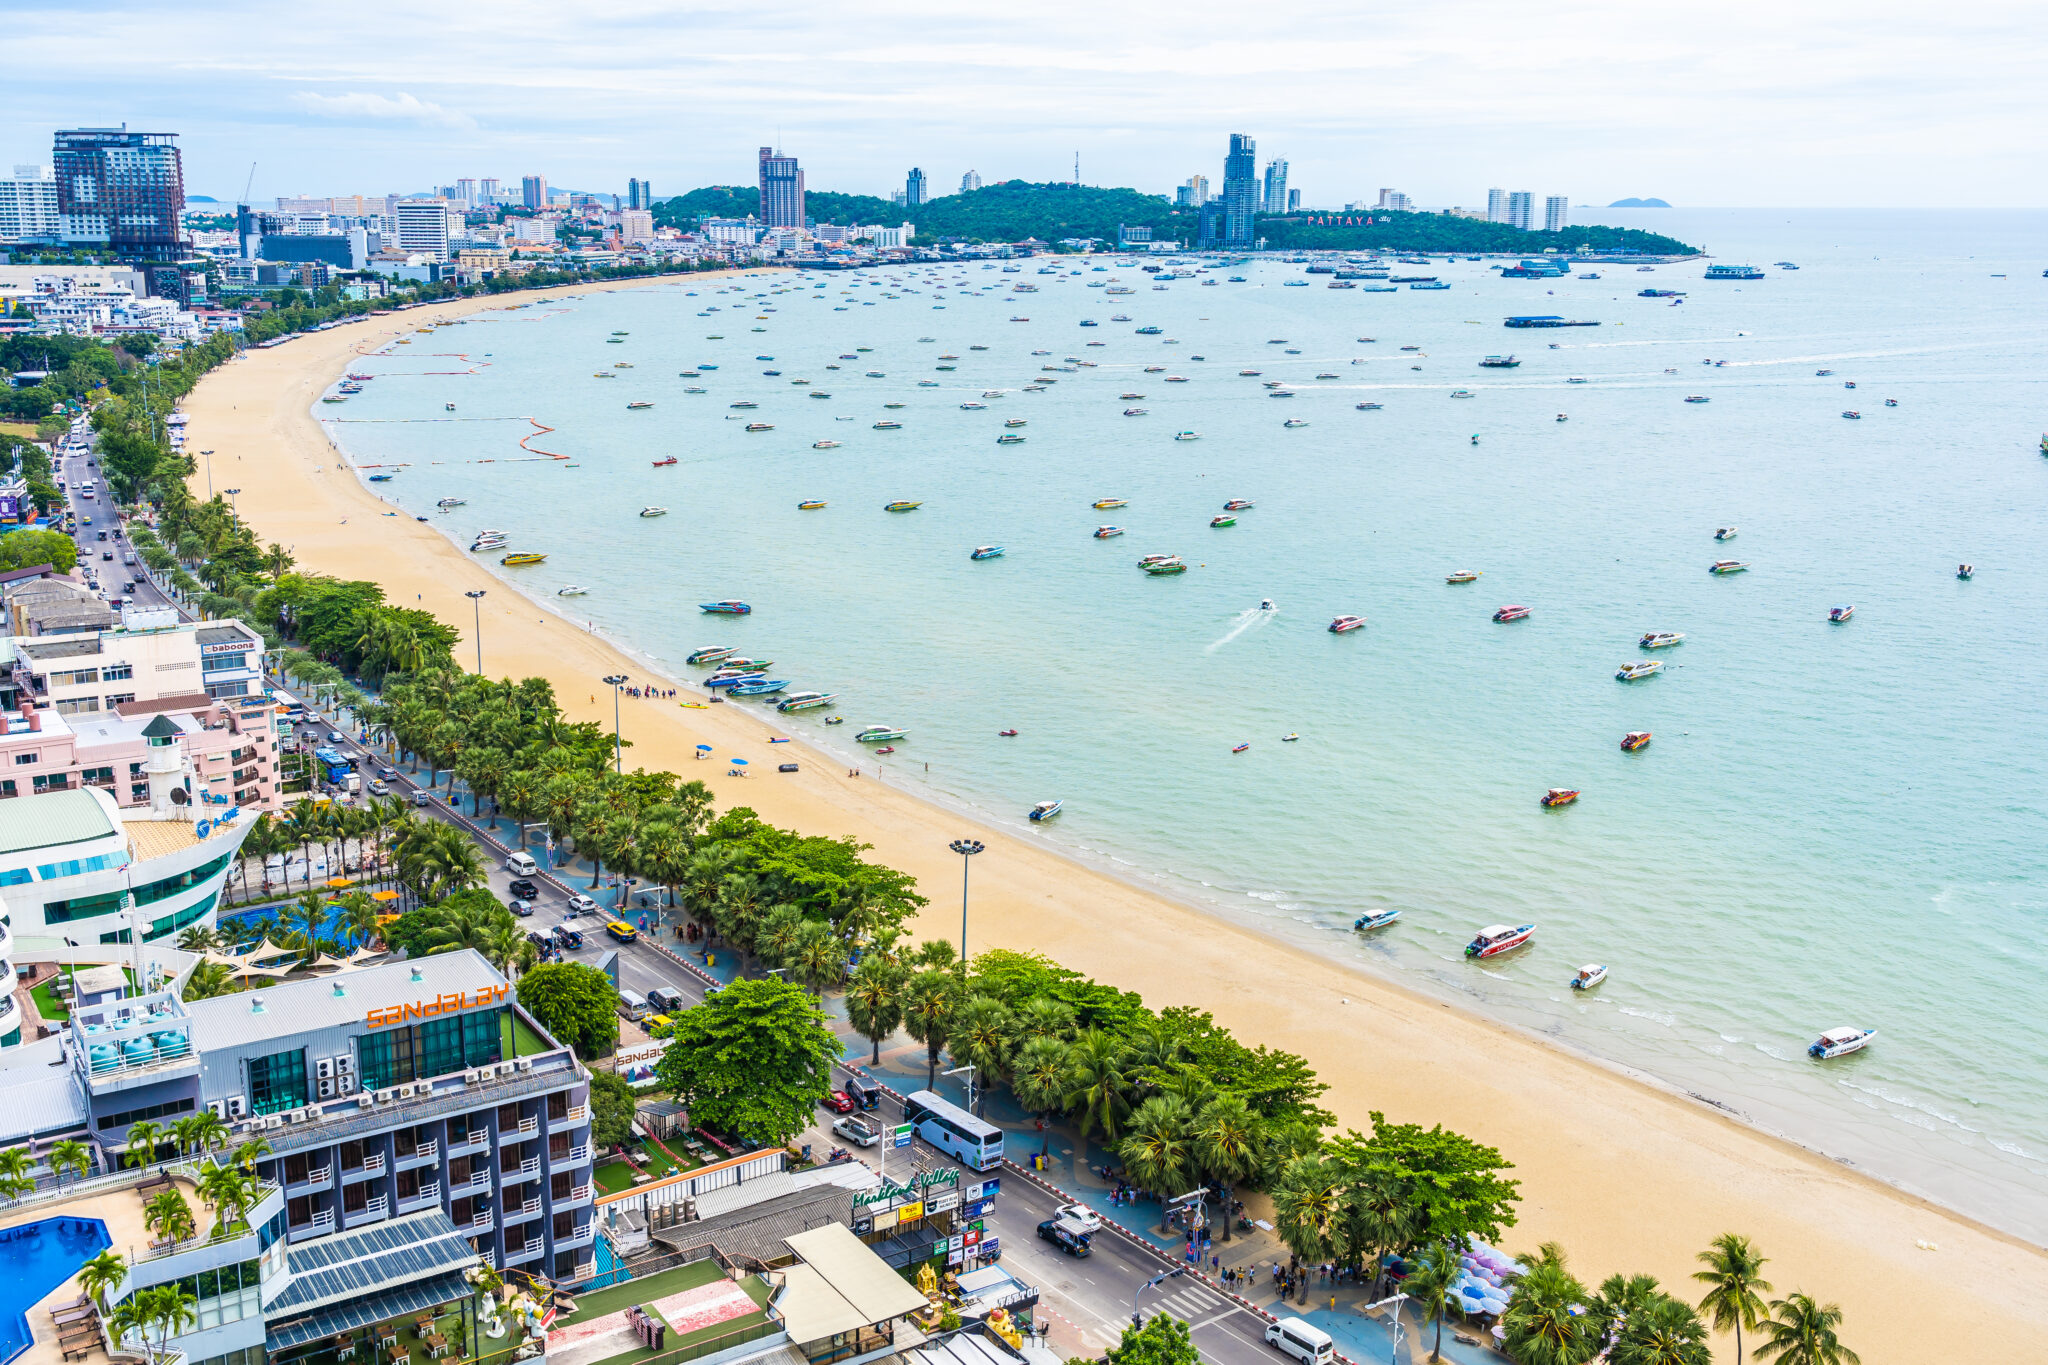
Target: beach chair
{"x": 65, "y": 1317}
{"x": 82, "y": 1301}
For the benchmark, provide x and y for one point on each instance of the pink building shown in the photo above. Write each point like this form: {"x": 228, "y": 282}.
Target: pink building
{"x": 231, "y": 742}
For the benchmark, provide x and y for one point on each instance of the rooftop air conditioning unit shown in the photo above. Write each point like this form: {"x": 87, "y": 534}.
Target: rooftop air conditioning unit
{"x": 344, "y": 1064}
{"x": 384, "y": 1096}
{"x": 345, "y": 1085}
{"x": 364, "y": 1101}
{"x": 295, "y": 1116}
{"x": 426, "y": 1087}
{"x": 525, "y": 1064}
{"x": 469, "y": 1077}
{"x": 324, "y": 1068}
{"x": 237, "y": 1106}
{"x": 405, "y": 1092}
{"x": 327, "y": 1087}
{"x": 219, "y": 1108}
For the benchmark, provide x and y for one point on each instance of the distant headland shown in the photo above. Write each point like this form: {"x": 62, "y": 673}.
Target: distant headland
{"x": 1639, "y": 204}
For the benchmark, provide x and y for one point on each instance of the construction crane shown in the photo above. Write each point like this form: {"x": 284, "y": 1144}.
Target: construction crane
{"x": 248, "y": 184}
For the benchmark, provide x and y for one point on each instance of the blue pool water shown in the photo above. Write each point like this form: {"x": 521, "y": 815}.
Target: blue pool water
{"x": 610, "y": 1270}
{"x": 34, "y": 1259}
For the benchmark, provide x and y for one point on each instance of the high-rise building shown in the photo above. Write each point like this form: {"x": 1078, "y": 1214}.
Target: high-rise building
{"x": 782, "y": 190}
{"x": 639, "y": 194}
{"x": 1496, "y": 206}
{"x": 1556, "y": 211}
{"x": 914, "y": 192}
{"x": 1393, "y": 201}
{"x": 636, "y": 225}
{"x": 1194, "y": 193}
{"x": 1521, "y": 210}
{"x": 1240, "y": 192}
{"x": 465, "y": 192}
{"x": 1294, "y": 201}
{"x": 121, "y": 191}
{"x": 28, "y": 205}
{"x": 422, "y": 227}
{"x": 533, "y": 191}
{"x": 1274, "y": 198}
{"x": 970, "y": 182}
{"x": 487, "y": 191}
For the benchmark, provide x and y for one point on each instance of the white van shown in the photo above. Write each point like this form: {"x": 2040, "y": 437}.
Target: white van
{"x": 521, "y": 864}
{"x": 1310, "y": 1345}
{"x": 634, "y": 1006}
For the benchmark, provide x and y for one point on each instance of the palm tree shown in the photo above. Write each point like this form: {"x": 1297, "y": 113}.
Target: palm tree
{"x": 69, "y": 1154}
{"x": 1662, "y": 1331}
{"x": 982, "y": 1036}
{"x": 1621, "y": 1297}
{"x": 307, "y": 917}
{"x": 1430, "y": 1288}
{"x": 358, "y": 918}
{"x": 169, "y": 1214}
{"x": 171, "y": 1311}
{"x": 468, "y": 927}
{"x": 131, "y": 1318}
{"x": 1044, "y": 1017}
{"x": 1156, "y": 1147}
{"x": 1228, "y": 1137}
{"x": 1098, "y": 1097}
{"x": 1307, "y": 1203}
{"x": 874, "y": 1001}
{"x": 250, "y": 1152}
{"x": 1802, "y": 1332}
{"x": 1546, "y": 1322}
{"x": 1041, "y": 1076}
{"x": 144, "y": 1137}
{"x": 1735, "y": 1273}
{"x": 777, "y": 934}
{"x": 229, "y": 1190}
{"x": 931, "y": 1001}
{"x": 102, "y": 1273}
{"x": 15, "y": 1165}
{"x": 209, "y": 979}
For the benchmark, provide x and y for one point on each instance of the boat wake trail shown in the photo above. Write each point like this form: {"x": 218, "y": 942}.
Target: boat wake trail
{"x": 1242, "y": 622}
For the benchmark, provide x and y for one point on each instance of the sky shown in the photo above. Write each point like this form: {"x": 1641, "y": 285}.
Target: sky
{"x": 1821, "y": 103}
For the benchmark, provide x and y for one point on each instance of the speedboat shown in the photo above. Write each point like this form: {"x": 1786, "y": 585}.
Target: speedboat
{"x": 1511, "y": 614}
{"x": 446, "y": 503}
{"x": 635, "y": 407}
{"x": 876, "y": 734}
{"x": 1375, "y": 919}
{"x": 521, "y": 560}
{"x": 1290, "y": 737}
{"x": 726, "y": 608}
{"x": 824, "y": 445}
{"x": 1014, "y": 421}
{"x": 1134, "y": 412}
{"x": 1346, "y": 623}
{"x": 708, "y": 654}
{"x": 1640, "y": 668}
{"x": 1661, "y": 639}
{"x": 1634, "y": 740}
{"x": 1187, "y": 436}
{"x": 1839, "y": 614}
{"x": 1239, "y": 748}
{"x": 888, "y": 426}
{"x": 654, "y": 511}
{"x": 760, "y": 426}
{"x": 1728, "y": 566}
{"x": 987, "y": 552}
{"x": 380, "y": 478}
{"x": 1965, "y": 570}
{"x": 1853, "y": 416}
{"x": 663, "y": 464}
{"x": 1045, "y": 810}
{"x": 1223, "y": 521}
{"x": 1589, "y": 976}
{"x": 1238, "y": 505}
{"x": 901, "y": 506}
{"x": 1463, "y": 576}
{"x": 1104, "y": 504}
{"x": 1370, "y": 407}
{"x": 759, "y": 689}
{"x": 804, "y": 701}
{"x": 1725, "y": 533}
{"x": 1167, "y": 565}
{"x": 1007, "y": 734}
{"x": 1840, "y": 1042}
{"x": 1010, "y": 438}
{"x": 1266, "y": 604}
{"x": 1294, "y": 422}
{"x": 1496, "y": 939}
{"x": 1560, "y": 796}
{"x": 572, "y": 590}
{"x": 728, "y": 678}
{"x": 1105, "y": 532}
{"x": 810, "y": 505}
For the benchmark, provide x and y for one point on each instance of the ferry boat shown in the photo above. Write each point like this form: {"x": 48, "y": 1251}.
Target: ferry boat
{"x": 886, "y": 425}
{"x": 1734, "y": 272}
{"x": 1009, "y": 438}
{"x": 708, "y": 654}
{"x": 1344, "y": 624}
{"x": 1641, "y": 668}
{"x": 901, "y": 506}
{"x": 1045, "y": 810}
{"x": 726, "y": 608}
{"x": 804, "y": 701}
{"x": 1496, "y": 939}
{"x": 514, "y": 561}
{"x": 1661, "y": 639}
{"x": 635, "y": 407}
{"x": 760, "y": 426}
{"x": 1238, "y": 505}
{"x": 1840, "y": 1042}
{"x": 1223, "y": 521}
{"x": 1375, "y": 919}
{"x": 1728, "y": 566}
{"x": 987, "y": 552}
{"x": 1590, "y": 975}
{"x": 654, "y": 511}
{"x": 1105, "y": 532}
{"x": 1511, "y": 614}
{"x": 663, "y": 464}
{"x": 1172, "y": 564}
{"x": 1560, "y": 796}
{"x": 876, "y": 734}
{"x": 1634, "y": 740}
{"x": 1499, "y": 362}
{"x": 1839, "y": 614}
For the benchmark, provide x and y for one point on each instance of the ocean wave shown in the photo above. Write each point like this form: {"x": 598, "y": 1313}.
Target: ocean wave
{"x": 2015, "y": 1149}
{"x": 1772, "y": 1052}
{"x": 1667, "y": 1020}
{"x": 1907, "y": 1102}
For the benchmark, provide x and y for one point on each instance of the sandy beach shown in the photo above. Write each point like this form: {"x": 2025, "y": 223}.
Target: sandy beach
{"x": 1627, "y": 1174}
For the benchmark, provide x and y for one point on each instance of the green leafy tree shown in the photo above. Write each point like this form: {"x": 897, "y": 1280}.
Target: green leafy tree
{"x": 611, "y": 1110}
{"x": 1736, "y": 1285}
{"x": 1662, "y": 1331}
{"x": 26, "y": 548}
{"x": 754, "y": 1060}
{"x": 1163, "y": 1340}
{"x": 575, "y": 1003}
{"x": 1452, "y": 1185}
{"x": 1800, "y": 1331}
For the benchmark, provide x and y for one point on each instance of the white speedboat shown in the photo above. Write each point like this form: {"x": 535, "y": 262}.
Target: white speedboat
{"x": 446, "y": 503}
{"x": 1840, "y": 1042}
{"x": 1641, "y": 668}
{"x": 1589, "y": 976}
{"x": 1725, "y": 533}
{"x": 1187, "y": 436}
{"x": 1045, "y": 810}
{"x": 1661, "y": 639}
{"x": 573, "y": 590}
{"x": 654, "y": 511}
{"x": 1375, "y": 919}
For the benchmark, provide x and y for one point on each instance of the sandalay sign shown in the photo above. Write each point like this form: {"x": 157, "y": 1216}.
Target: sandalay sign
{"x": 452, "y": 1003}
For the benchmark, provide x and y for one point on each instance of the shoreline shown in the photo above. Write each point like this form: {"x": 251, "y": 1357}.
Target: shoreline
{"x": 1630, "y": 1172}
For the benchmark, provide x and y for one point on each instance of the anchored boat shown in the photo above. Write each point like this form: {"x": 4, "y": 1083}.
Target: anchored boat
{"x": 1590, "y": 975}
{"x": 1634, "y": 740}
{"x": 1496, "y": 939}
{"x": 520, "y": 560}
{"x": 1346, "y": 623}
{"x": 902, "y": 506}
{"x": 726, "y": 608}
{"x": 1376, "y": 919}
{"x": 1840, "y": 1042}
{"x": 987, "y": 552}
{"x": 1045, "y": 810}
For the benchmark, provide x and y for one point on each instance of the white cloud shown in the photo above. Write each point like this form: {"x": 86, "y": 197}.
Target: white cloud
{"x": 405, "y": 108}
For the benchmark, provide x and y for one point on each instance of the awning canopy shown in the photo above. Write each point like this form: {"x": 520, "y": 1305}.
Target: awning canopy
{"x": 840, "y": 1286}
{"x": 353, "y": 1314}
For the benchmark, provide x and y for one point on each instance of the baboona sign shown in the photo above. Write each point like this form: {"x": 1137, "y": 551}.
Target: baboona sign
{"x": 922, "y": 1180}
{"x": 451, "y": 1003}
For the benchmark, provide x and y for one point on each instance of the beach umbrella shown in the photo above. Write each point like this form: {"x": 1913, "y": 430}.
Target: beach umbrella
{"x": 383, "y": 895}
{"x": 339, "y": 881}
{"x": 741, "y": 762}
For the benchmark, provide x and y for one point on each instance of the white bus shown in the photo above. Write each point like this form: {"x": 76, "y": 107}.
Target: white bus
{"x": 975, "y": 1143}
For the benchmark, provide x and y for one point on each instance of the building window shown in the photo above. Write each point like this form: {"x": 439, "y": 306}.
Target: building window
{"x": 385, "y": 1058}
{"x": 116, "y": 698}
{"x": 76, "y": 678}
{"x": 7, "y": 788}
{"x": 228, "y": 689}
{"x": 150, "y": 1111}
{"x": 138, "y": 794}
{"x": 278, "y": 1082}
{"x": 51, "y": 782}
{"x": 79, "y": 706}
{"x": 215, "y": 663}
{"x": 75, "y": 867}
{"x": 81, "y": 907}
{"x": 151, "y": 892}
{"x": 221, "y": 1296}
{"x": 171, "y": 923}
{"x": 24, "y": 760}
{"x": 117, "y": 673}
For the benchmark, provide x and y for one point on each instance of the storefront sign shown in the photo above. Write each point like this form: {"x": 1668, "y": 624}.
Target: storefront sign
{"x": 891, "y": 1190}
{"x": 452, "y": 1003}
{"x": 910, "y": 1213}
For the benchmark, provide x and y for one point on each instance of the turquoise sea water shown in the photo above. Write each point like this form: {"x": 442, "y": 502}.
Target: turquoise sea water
{"x": 1834, "y": 825}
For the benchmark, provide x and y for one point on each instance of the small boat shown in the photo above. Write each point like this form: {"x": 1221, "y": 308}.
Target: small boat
{"x": 876, "y": 734}
{"x": 487, "y": 543}
{"x": 708, "y": 654}
{"x": 1839, "y": 614}
{"x": 1840, "y": 1042}
{"x": 1239, "y": 748}
{"x": 1891, "y": 402}
{"x": 759, "y": 689}
{"x": 1661, "y": 639}
{"x": 450, "y": 407}
{"x": 987, "y": 552}
{"x": 635, "y": 407}
{"x": 901, "y": 506}
{"x": 1496, "y": 939}
{"x": 1848, "y": 383}
{"x": 1853, "y": 416}
{"x": 760, "y": 426}
{"x": 1290, "y": 737}
{"x": 804, "y": 701}
{"x": 1238, "y": 505}
{"x": 1104, "y": 504}
{"x": 572, "y": 590}
{"x": 1344, "y": 624}
{"x": 1511, "y": 614}
{"x": 1171, "y": 565}
{"x": 1728, "y": 566}
{"x": 1463, "y": 576}
{"x": 1499, "y": 362}
{"x": 1590, "y": 975}
{"x": 1134, "y": 412}
{"x": 654, "y": 511}
{"x": 1007, "y": 734}
{"x": 1965, "y": 570}
{"x": 663, "y": 464}
{"x": 824, "y": 445}
{"x": 522, "y": 559}
{"x": 1187, "y": 436}
{"x": 1370, "y": 407}
{"x": 1560, "y": 796}
{"x": 1696, "y": 398}
{"x": 1223, "y": 521}
{"x": 1823, "y": 373}
{"x": 973, "y": 407}
{"x": 1634, "y": 740}
{"x": 726, "y": 608}
{"x": 886, "y": 749}
{"x": 1461, "y": 393}
{"x": 810, "y": 505}
{"x": 1294, "y": 422}
{"x": 1640, "y": 668}
{"x": 381, "y": 478}
{"x": 446, "y": 503}
{"x": 1725, "y": 533}
{"x": 743, "y": 405}
{"x": 1014, "y": 421}
{"x": 1105, "y": 532}
{"x": 1045, "y": 810}
{"x": 1375, "y": 919}
{"x": 888, "y": 426}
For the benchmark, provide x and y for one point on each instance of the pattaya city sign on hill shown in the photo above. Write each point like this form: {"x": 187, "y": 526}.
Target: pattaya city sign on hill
{"x": 451, "y": 1003}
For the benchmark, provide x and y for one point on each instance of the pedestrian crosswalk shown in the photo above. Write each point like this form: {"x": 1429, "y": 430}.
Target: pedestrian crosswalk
{"x": 1190, "y": 1303}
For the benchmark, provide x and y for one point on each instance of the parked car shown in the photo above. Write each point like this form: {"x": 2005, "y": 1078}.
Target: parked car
{"x": 565, "y": 937}
{"x": 582, "y": 905}
{"x": 1068, "y": 1237}
{"x": 524, "y": 888}
{"x": 839, "y": 1102}
{"x": 858, "y": 1129}
{"x": 519, "y": 907}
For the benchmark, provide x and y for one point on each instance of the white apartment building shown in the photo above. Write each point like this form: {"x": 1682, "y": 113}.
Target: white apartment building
{"x": 422, "y": 227}
{"x": 1496, "y": 206}
{"x": 151, "y": 656}
{"x": 888, "y": 236}
{"x": 636, "y": 225}
{"x": 532, "y": 231}
{"x": 1521, "y": 210}
{"x": 28, "y": 205}
{"x": 1556, "y": 213}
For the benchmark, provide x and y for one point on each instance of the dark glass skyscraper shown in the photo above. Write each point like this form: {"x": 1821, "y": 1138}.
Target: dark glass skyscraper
{"x": 639, "y": 194}
{"x": 782, "y": 190}
{"x": 121, "y": 192}
{"x": 914, "y": 189}
{"x": 1240, "y": 192}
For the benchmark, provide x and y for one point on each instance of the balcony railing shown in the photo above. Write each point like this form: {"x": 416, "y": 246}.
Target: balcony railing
{"x": 478, "y": 1138}
{"x": 531, "y": 1249}
{"x": 368, "y": 1213}
{"x": 426, "y": 1151}
{"x": 480, "y": 1222}
{"x": 425, "y": 1194}
{"x": 479, "y": 1179}
{"x": 530, "y": 1209}
{"x": 319, "y": 1225}
{"x": 372, "y": 1164}
{"x": 528, "y": 1126}
{"x": 575, "y": 1118}
{"x": 528, "y": 1169}
{"x": 317, "y": 1179}
{"x": 576, "y": 1156}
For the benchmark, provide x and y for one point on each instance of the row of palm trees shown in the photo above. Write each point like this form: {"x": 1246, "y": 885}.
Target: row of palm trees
{"x": 373, "y": 827}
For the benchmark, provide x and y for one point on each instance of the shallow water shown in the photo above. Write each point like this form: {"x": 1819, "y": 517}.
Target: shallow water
{"x": 1835, "y": 824}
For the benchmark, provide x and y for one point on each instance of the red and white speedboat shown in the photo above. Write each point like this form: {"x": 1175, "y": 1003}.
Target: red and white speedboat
{"x": 1498, "y": 938}
{"x": 1344, "y": 623}
{"x": 663, "y": 464}
{"x": 1511, "y": 613}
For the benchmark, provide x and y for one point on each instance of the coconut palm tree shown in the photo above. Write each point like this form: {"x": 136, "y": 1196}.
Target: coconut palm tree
{"x": 131, "y": 1318}
{"x": 1156, "y": 1148}
{"x": 102, "y": 1273}
{"x": 1099, "y": 1097}
{"x": 777, "y": 934}
{"x": 1044, "y": 1017}
{"x": 1621, "y": 1297}
{"x": 874, "y": 1001}
{"x": 209, "y": 979}
{"x": 1228, "y": 1136}
{"x": 1661, "y": 1331}
{"x": 307, "y": 917}
{"x": 251, "y": 1151}
{"x": 1041, "y": 1077}
{"x": 171, "y": 1311}
{"x": 931, "y": 1002}
{"x": 144, "y": 1137}
{"x": 229, "y": 1191}
{"x": 15, "y": 1165}
{"x": 358, "y": 918}
{"x": 1429, "y": 1288}
{"x": 983, "y": 1036}
{"x": 1308, "y": 1202}
{"x": 1802, "y": 1332}
{"x": 169, "y": 1215}
{"x": 1734, "y": 1275}
{"x": 69, "y": 1154}
{"x": 1546, "y": 1322}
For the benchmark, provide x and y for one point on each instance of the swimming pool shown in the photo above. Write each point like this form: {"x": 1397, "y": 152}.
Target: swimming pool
{"x": 34, "y": 1259}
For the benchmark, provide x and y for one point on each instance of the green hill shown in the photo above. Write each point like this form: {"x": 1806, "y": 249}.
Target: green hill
{"x": 1435, "y": 232}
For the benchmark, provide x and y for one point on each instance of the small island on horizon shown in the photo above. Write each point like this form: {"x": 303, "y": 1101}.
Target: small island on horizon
{"x": 1639, "y": 204}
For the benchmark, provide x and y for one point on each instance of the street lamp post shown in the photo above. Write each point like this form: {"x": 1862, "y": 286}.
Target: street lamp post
{"x": 233, "y": 510}
{"x": 209, "y": 474}
{"x": 1137, "y": 1318}
{"x": 966, "y": 848}
{"x": 476, "y": 598}
{"x": 1393, "y": 1324}
{"x": 617, "y": 680}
